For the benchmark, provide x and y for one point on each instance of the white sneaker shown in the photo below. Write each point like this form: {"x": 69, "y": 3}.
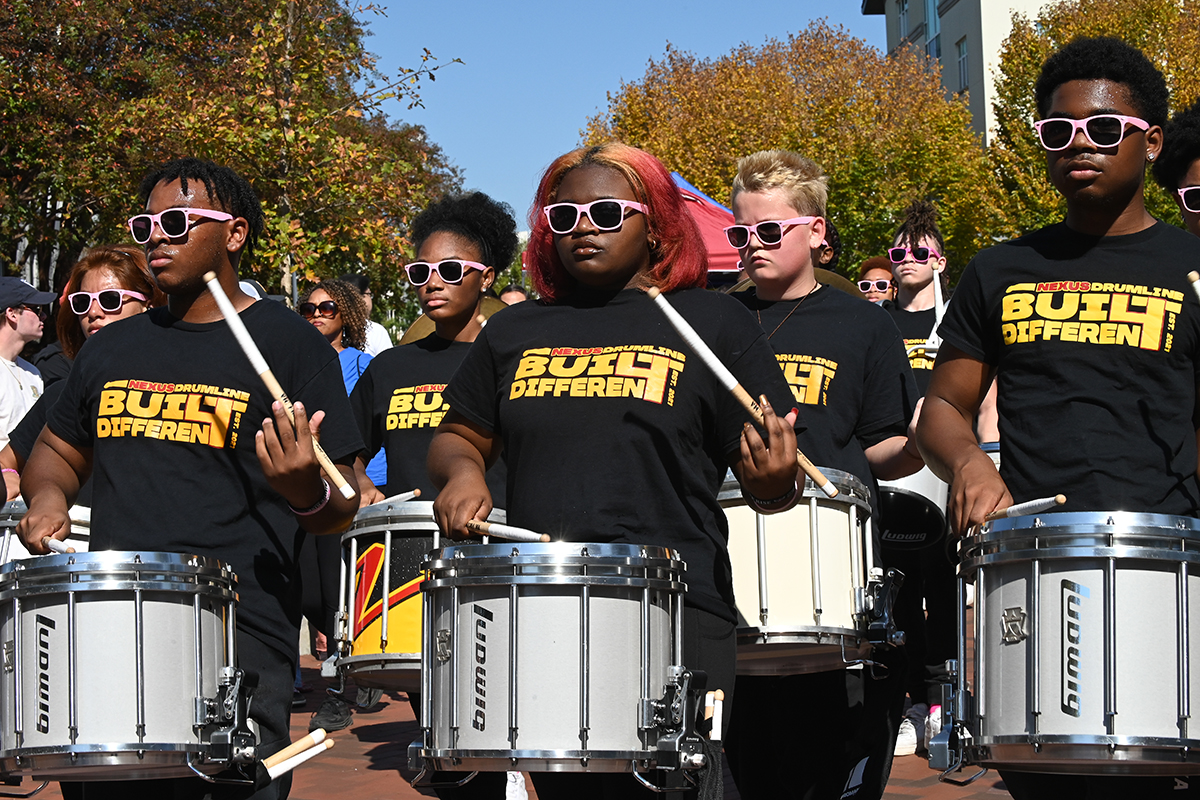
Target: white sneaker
{"x": 906, "y": 739}
{"x": 515, "y": 790}
{"x": 933, "y": 725}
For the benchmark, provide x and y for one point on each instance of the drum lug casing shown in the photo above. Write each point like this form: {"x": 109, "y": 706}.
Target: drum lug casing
{"x": 881, "y": 630}
{"x": 224, "y": 720}
{"x": 680, "y": 746}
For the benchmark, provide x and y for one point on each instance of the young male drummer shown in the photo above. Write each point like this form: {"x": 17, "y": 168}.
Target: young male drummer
{"x": 187, "y": 453}
{"x": 826, "y": 734}
{"x": 1092, "y": 330}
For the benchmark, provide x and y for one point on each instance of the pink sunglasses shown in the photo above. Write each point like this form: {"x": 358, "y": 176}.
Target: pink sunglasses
{"x": 1102, "y": 130}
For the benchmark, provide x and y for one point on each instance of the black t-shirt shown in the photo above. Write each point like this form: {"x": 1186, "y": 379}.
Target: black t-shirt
{"x": 398, "y": 404}
{"x": 171, "y": 409}
{"x": 23, "y": 437}
{"x": 1097, "y": 345}
{"x": 52, "y": 364}
{"x": 915, "y": 327}
{"x": 844, "y": 362}
{"x": 614, "y": 431}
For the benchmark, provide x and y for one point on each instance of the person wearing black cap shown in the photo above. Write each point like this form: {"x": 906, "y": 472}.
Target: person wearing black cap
{"x": 20, "y": 382}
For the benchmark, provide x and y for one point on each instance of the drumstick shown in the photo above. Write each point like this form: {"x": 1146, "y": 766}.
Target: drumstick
{"x": 1028, "y": 507}
{"x": 56, "y": 545}
{"x": 505, "y": 531}
{"x": 296, "y": 760}
{"x": 260, "y": 366}
{"x": 403, "y": 497}
{"x": 689, "y": 335}
{"x": 295, "y": 748}
{"x": 718, "y": 706}
{"x": 1194, "y": 277}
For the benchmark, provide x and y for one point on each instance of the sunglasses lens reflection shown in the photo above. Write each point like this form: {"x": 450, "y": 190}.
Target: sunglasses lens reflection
{"x": 140, "y": 228}
{"x": 174, "y": 223}
{"x": 738, "y": 237}
{"x": 563, "y": 218}
{"x": 769, "y": 232}
{"x": 418, "y": 273}
{"x": 1056, "y": 133}
{"x": 1105, "y": 131}
{"x": 307, "y": 310}
{"x": 451, "y": 271}
{"x": 1191, "y": 199}
{"x": 110, "y": 300}
{"x": 605, "y": 214}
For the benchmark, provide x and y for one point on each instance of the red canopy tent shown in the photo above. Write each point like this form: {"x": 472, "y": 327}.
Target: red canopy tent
{"x": 711, "y": 217}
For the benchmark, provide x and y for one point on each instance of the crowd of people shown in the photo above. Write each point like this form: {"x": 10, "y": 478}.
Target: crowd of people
{"x": 150, "y": 388}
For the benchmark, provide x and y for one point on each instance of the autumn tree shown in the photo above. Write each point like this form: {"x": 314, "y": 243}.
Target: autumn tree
{"x": 1167, "y": 31}
{"x": 880, "y": 126}
{"x": 285, "y": 93}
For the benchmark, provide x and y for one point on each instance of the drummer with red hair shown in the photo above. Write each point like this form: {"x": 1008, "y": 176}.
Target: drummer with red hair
{"x": 594, "y": 373}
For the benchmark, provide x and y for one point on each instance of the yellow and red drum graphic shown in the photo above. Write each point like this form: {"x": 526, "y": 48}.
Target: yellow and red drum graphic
{"x": 381, "y": 594}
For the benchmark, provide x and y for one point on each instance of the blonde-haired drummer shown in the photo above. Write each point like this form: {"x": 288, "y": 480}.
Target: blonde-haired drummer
{"x": 845, "y": 364}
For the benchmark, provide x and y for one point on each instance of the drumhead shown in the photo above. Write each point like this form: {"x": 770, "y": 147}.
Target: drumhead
{"x": 412, "y": 518}
{"x": 614, "y": 564}
{"x": 114, "y": 570}
{"x": 850, "y": 489}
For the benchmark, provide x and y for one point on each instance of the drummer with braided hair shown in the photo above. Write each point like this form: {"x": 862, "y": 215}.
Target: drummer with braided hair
{"x": 187, "y": 451}
{"x": 633, "y": 447}
{"x": 1093, "y": 333}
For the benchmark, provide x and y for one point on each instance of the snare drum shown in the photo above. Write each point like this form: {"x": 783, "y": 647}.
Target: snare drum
{"x": 113, "y": 664}
{"x": 800, "y": 578}
{"x": 386, "y": 544}
{"x": 1084, "y": 656}
{"x": 548, "y": 657}
{"x": 912, "y": 510}
{"x": 11, "y": 546}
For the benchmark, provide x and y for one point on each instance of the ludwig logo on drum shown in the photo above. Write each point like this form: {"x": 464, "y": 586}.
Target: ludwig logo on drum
{"x": 1072, "y": 634}
{"x": 482, "y": 618}
{"x": 44, "y": 626}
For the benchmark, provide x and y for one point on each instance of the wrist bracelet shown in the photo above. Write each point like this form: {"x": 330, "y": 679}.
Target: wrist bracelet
{"x": 10, "y": 469}
{"x": 775, "y": 504}
{"x": 304, "y": 512}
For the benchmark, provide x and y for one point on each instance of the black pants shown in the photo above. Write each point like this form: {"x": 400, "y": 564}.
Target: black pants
{"x": 708, "y": 645}
{"x": 320, "y": 574}
{"x": 1037, "y": 786}
{"x": 931, "y": 631}
{"x": 821, "y": 736}
{"x": 271, "y": 708}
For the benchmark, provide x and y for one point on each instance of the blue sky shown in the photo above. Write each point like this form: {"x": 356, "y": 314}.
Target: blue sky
{"x": 534, "y": 71}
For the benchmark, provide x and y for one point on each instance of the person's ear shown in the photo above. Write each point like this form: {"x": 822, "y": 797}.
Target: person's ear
{"x": 489, "y": 277}
{"x": 817, "y": 233}
{"x": 1154, "y": 142}
{"x": 239, "y": 231}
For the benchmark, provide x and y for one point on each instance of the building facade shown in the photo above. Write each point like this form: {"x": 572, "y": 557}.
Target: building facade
{"x": 964, "y": 35}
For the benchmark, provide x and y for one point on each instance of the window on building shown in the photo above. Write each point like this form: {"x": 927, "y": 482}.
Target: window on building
{"x": 964, "y": 75}
{"x": 902, "y": 16}
{"x": 933, "y": 30}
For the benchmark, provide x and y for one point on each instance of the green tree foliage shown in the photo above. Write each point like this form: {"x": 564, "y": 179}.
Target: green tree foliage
{"x": 283, "y": 91}
{"x": 880, "y": 126}
{"x": 1167, "y": 31}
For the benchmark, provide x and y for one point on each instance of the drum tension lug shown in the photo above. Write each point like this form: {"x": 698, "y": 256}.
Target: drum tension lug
{"x": 881, "y": 630}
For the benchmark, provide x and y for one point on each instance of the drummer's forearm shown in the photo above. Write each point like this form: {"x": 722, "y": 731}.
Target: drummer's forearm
{"x": 54, "y": 473}
{"x": 894, "y": 458}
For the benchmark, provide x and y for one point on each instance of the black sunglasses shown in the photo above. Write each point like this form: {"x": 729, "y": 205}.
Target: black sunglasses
{"x": 327, "y": 308}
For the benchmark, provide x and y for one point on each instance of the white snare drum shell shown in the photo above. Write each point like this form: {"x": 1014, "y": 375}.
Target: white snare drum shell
{"x": 1116, "y": 643}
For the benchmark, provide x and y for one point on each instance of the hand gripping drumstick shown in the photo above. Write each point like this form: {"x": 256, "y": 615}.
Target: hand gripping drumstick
{"x": 689, "y": 335}
{"x": 290, "y": 764}
{"x": 1028, "y": 507}
{"x": 505, "y": 531}
{"x": 260, "y": 366}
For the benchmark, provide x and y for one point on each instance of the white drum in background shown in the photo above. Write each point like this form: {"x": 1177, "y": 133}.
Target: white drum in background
{"x": 382, "y": 555}
{"x": 549, "y": 657}
{"x": 912, "y": 510}
{"x": 112, "y": 664}
{"x": 1085, "y": 658}
{"x": 11, "y": 546}
{"x": 800, "y": 578}
{"x": 993, "y": 451}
